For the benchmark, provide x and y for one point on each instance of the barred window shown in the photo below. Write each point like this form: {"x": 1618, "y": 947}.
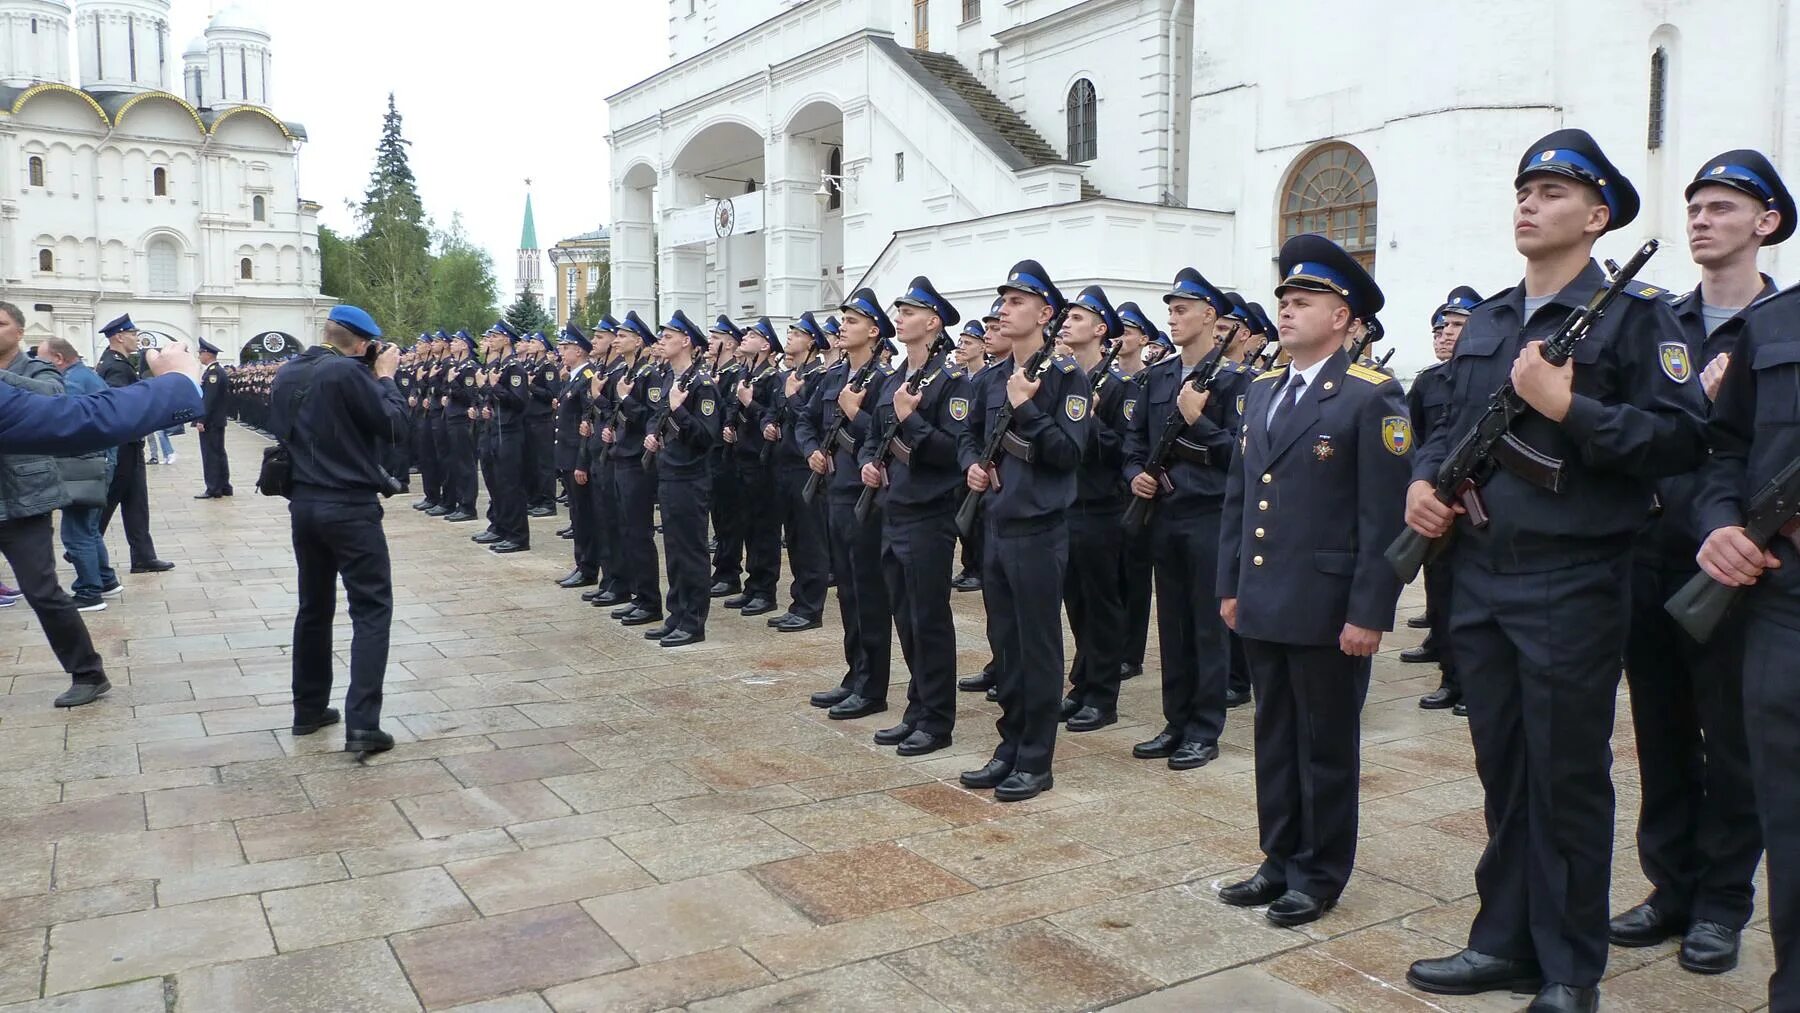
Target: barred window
{"x": 1083, "y": 144}
{"x": 1659, "y": 95}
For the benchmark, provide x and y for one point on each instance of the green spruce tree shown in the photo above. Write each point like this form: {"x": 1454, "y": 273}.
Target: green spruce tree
{"x": 527, "y": 314}
{"x": 395, "y": 244}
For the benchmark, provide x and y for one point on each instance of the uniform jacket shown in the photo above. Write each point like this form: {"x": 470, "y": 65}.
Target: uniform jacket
{"x": 923, "y": 470}
{"x": 1100, "y": 484}
{"x": 1052, "y": 428}
{"x": 1199, "y": 465}
{"x": 1311, "y": 507}
{"x": 817, "y": 419}
{"x": 571, "y": 409}
{"x": 784, "y": 410}
{"x": 690, "y": 431}
{"x": 339, "y": 431}
{"x": 632, "y": 414}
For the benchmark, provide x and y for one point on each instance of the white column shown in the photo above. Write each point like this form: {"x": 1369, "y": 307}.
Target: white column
{"x": 792, "y": 214}
{"x": 683, "y": 268}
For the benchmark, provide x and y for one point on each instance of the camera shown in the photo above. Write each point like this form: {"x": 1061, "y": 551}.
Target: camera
{"x": 373, "y": 352}
{"x": 390, "y": 486}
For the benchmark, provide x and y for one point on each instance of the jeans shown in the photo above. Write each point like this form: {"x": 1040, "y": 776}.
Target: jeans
{"x": 160, "y": 447}
{"x": 83, "y": 547}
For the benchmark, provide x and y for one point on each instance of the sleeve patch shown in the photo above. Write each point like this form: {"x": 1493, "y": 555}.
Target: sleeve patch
{"x": 1677, "y": 365}
{"x": 1396, "y": 435}
{"x": 1075, "y": 407}
{"x": 707, "y": 406}
{"x": 959, "y": 408}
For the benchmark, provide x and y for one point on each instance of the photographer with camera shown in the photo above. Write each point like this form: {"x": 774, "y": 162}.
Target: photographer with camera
{"x": 336, "y": 411}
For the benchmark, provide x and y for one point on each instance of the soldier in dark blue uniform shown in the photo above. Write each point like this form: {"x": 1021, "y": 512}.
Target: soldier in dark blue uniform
{"x": 127, "y": 493}
{"x": 421, "y": 441}
{"x": 727, "y": 499}
{"x": 855, "y": 548}
{"x": 1028, "y": 490}
{"x": 629, "y": 393}
{"x": 790, "y": 392}
{"x": 1138, "y": 334}
{"x": 593, "y": 468}
{"x": 1184, "y": 529}
{"x": 1314, "y": 499}
{"x": 510, "y": 392}
{"x": 1426, "y": 404}
{"x": 495, "y": 346}
{"x": 438, "y": 418}
{"x": 542, "y": 379}
{"x": 1240, "y": 330}
{"x": 989, "y": 387}
{"x": 969, "y": 579}
{"x": 571, "y": 410}
{"x": 1541, "y": 598}
{"x": 1698, "y": 838}
{"x": 752, "y": 457}
{"x": 214, "y": 465}
{"x": 1092, "y": 590}
{"x": 917, "y": 511}
{"x": 459, "y": 407}
{"x": 683, "y": 429}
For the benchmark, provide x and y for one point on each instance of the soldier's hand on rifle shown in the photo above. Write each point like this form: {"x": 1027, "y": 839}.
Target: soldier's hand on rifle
{"x": 871, "y": 475}
{"x": 677, "y": 397}
{"x": 1358, "y": 642}
{"x": 1192, "y": 402}
{"x": 728, "y": 434}
{"x": 793, "y": 383}
{"x": 608, "y": 436}
{"x": 818, "y": 462}
{"x": 745, "y": 393}
{"x": 1547, "y": 388}
{"x": 586, "y": 429}
{"x": 1731, "y": 558}
{"x": 1020, "y": 390}
{"x": 1425, "y": 513}
{"x": 1713, "y": 374}
{"x": 625, "y": 386}
{"x": 771, "y": 432}
{"x": 850, "y": 401}
{"x": 1144, "y": 486}
{"x": 653, "y": 444}
{"x": 581, "y": 477}
{"x": 980, "y": 478}
{"x": 906, "y": 401}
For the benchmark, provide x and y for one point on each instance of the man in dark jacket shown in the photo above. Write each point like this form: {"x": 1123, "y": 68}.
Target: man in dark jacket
{"x": 128, "y": 493}
{"x": 83, "y": 547}
{"x": 213, "y": 463}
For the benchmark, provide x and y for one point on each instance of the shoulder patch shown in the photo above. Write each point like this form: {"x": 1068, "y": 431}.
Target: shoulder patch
{"x": 1367, "y": 375}
{"x": 1396, "y": 435}
{"x": 707, "y": 406}
{"x": 959, "y": 408}
{"x": 1639, "y": 290}
{"x": 1278, "y": 371}
{"x": 1075, "y": 407}
{"x": 1130, "y": 408}
{"x": 517, "y": 380}
{"x": 1676, "y": 364}
{"x": 1241, "y": 398}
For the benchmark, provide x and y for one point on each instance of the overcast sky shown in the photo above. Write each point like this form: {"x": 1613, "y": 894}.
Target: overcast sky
{"x": 491, "y": 94}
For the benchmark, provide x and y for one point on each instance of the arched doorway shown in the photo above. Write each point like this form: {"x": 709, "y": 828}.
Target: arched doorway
{"x": 1331, "y": 191}
{"x": 633, "y": 254}
{"x": 807, "y": 243}
{"x": 710, "y": 241}
{"x": 270, "y": 345}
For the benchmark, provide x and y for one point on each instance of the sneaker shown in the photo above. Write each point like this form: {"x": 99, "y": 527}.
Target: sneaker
{"x": 90, "y": 603}
{"x": 9, "y": 592}
{"x": 112, "y": 590}
{"x": 173, "y": 457}
{"x": 8, "y": 601}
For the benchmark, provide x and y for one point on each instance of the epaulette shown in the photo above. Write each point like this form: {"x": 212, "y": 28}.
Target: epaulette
{"x": 843, "y": 364}
{"x": 1228, "y": 366}
{"x": 1364, "y": 373}
{"x": 952, "y": 371}
{"x": 1638, "y": 290}
{"x": 1277, "y": 372}
{"x": 1682, "y": 298}
{"x": 1066, "y": 363}
{"x": 885, "y": 370}
{"x": 1118, "y": 372}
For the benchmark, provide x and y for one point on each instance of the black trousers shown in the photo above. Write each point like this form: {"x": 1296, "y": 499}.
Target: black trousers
{"x": 129, "y": 495}
{"x": 459, "y": 464}
{"x": 486, "y": 445}
{"x": 1698, "y": 837}
{"x": 510, "y": 485}
{"x": 917, "y": 550}
{"x": 808, "y": 556}
{"x": 431, "y": 462}
{"x": 1022, "y": 579}
{"x": 1772, "y": 712}
{"x": 603, "y": 494}
{"x": 1134, "y": 579}
{"x": 581, "y": 520}
{"x": 1539, "y": 657}
{"x": 684, "y": 504}
{"x": 971, "y": 549}
{"x": 540, "y": 455}
{"x": 1093, "y": 596}
{"x": 1237, "y": 676}
{"x": 727, "y": 518}
{"x": 1437, "y": 608}
{"x": 762, "y": 528}
{"x": 214, "y": 465}
{"x": 1191, "y": 637}
{"x": 639, "y": 569}
{"x": 333, "y": 540}
{"x": 440, "y": 435}
{"x": 1308, "y": 759}
{"x": 862, "y": 598}
{"x": 26, "y": 544}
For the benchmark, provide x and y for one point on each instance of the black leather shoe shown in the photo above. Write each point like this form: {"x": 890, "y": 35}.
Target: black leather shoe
{"x": 1163, "y": 745}
{"x": 1440, "y": 698}
{"x": 424, "y": 504}
{"x": 1192, "y": 755}
{"x": 854, "y": 706}
{"x": 503, "y": 546}
{"x": 893, "y": 736}
{"x": 1420, "y": 655}
{"x": 1461, "y": 710}
{"x": 568, "y": 532}
{"x": 978, "y": 683}
{"x": 1237, "y": 698}
{"x": 603, "y": 598}
{"x": 830, "y": 697}
{"x": 992, "y": 695}
{"x": 365, "y": 742}
{"x": 541, "y": 511}
{"x": 640, "y": 617}
{"x": 326, "y": 719}
{"x": 487, "y": 537}
{"x": 1296, "y": 908}
{"x": 736, "y": 601}
{"x": 1469, "y": 972}
{"x": 626, "y": 609}
{"x": 1645, "y": 926}
{"x": 758, "y": 606}
{"x": 723, "y": 588}
{"x": 1022, "y": 785}
{"x": 1565, "y": 999}
{"x": 921, "y": 742}
{"x": 83, "y": 693}
{"x": 459, "y": 516}
{"x": 1089, "y": 719}
{"x": 1419, "y": 622}
{"x": 438, "y": 511}
{"x": 208, "y": 495}
{"x": 682, "y": 638}
{"x": 590, "y": 594}
{"x": 796, "y": 624}
{"x": 782, "y": 618}
{"x": 1069, "y": 706}
{"x": 1253, "y": 892}
{"x": 1710, "y": 948}
{"x": 988, "y": 776}
{"x": 966, "y": 582}
{"x": 578, "y": 579}
{"x": 1130, "y": 670}
{"x": 152, "y": 566}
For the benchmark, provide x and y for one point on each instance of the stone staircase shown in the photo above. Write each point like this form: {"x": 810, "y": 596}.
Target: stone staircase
{"x": 997, "y": 115}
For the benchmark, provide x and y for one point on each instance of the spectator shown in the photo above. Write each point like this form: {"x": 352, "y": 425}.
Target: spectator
{"x": 95, "y": 580}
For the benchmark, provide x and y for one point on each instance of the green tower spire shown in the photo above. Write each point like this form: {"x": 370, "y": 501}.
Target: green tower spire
{"x": 528, "y": 240}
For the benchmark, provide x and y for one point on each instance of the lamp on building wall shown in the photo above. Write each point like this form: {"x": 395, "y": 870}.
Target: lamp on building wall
{"x": 827, "y": 180}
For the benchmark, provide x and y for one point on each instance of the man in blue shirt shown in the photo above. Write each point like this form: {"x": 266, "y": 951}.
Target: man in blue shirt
{"x": 95, "y": 580}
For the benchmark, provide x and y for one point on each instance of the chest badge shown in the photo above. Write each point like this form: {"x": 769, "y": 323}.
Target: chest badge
{"x": 1396, "y": 435}
{"x": 468, "y": 381}
{"x": 518, "y": 381}
{"x": 655, "y": 394}
{"x": 1130, "y": 408}
{"x": 1075, "y": 408}
{"x": 1676, "y": 364}
{"x": 959, "y": 408}
{"x": 1323, "y": 448}
{"x": 706, "y": 406}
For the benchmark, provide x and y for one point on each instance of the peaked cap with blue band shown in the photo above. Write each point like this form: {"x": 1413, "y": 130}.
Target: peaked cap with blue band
{"x": 571, "y": 335}
{"x": 1254, "y": 318}
{"x": 1239, "y": 309}
{"x": 1575, "y": 154}
{"x": 355, "y": 319}
{"x": 465, "y": 338}
{"x": 1750, "y": 172}
{"x": 993, "y": 312}
{"x": 831, "y": 326}
{"x": 1029, "y": 276}
{"x": 1264, "y": 324}
{"x": 117, "y": 324}
{"x": 207, "y": 346}
{"x": 608, "y": 324}
{"x": 921, "y": 295}
{"x": 974, "y": 329}
{"x": 1316, "y": 264}
{"x": 1130, "y": 315}
{"x": 863, "y": 301}
{"x": 1462, "y": 299}
{"x": 635, "y": 324}
{"x": 807, "y": 324}
{"x": 764, "y": 328}
{"x": 723, "y": 325}
{"x": 1191, "y": 284}
{"x": 678, "y": 321}
{"x": 1094, "y": 300}
{"x": 504, "y": 328}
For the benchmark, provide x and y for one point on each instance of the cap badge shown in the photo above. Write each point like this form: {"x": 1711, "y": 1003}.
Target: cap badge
{"x": 1547, "y": 156}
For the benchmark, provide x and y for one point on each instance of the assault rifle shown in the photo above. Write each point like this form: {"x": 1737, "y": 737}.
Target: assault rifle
{"x": 781, "y": 414}
{"x": 1489, "y": 443}
{"x": 618, "y": 418}
{"x": 884, "y": 451}
{"x": 836, "y": 435}
{"x": 1382, "y": 363}
{"x": 1137, "y": 514}
{"x": 667, "y": 427}
{"x": 1372, "y": 332}
{"x": 1702, "y": 602}
{"x": 990, "y": 454}
{"x": 1106, "y": 365}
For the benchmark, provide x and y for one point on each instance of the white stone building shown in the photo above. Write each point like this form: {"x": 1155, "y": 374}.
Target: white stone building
{"x": 1118, "y": 140}
{"x": 120, "y": 196}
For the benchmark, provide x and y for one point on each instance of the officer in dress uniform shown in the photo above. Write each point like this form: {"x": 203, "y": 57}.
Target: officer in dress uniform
{"x": 128, "y": 492}
{"x": 727, "y": 499}
{"x": 1240, "y": 330}
{"x": 1184, "y": 527}
{"x": 1028, "y": 490}
{"x": 543, "y": 380}
{"x": 496, "y": 344}
{"x": 1314, "y": 499}
{"x": 970, "y": 578}
{"x": 752, "y": 458}
{"x": 683, "y": 430}
{"x": 428, "y": 420}
{"x": 214, "y": 465}
{"x": 510, "y": 392}
{"x": 401, "y": 458}
{"x": 418, "y": 437}
{"x": 1541, "y": 598}
{"x": 458, "y": 405}
{"x": 792, "y": 390}
{"x": 1137, "y": 336}
{"x": 594, "y": 468}
{"x": 439, "y": 419}
{"x": 922, "y": 486}
{"x": 1698, "y": 838}
{"x": 855, "y": 548}
{"x": 629, "y": 393}
{"x": 1427, "y": 403}
{"x": 571, "y": 408}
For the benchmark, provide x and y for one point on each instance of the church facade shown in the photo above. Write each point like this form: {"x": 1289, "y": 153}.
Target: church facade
{"x": 119, "y": 195}
{"x": 795, "y": 149}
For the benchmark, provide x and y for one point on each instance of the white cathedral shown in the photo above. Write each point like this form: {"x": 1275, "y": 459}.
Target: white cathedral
{"x": 794, "y": 149}
{"x": 118, "y": 195}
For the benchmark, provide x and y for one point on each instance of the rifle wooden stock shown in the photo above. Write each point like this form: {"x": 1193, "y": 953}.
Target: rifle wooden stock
{"x": 1702, "y": 603}
{"x": 816, "y": 481}
{"x": 884, "y": 452}
{"x": 1034, "y": 367}
{"x": 1138, "y": 511}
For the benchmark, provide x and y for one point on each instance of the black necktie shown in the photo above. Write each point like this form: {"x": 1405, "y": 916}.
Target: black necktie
{"x": 1288, "y": 401}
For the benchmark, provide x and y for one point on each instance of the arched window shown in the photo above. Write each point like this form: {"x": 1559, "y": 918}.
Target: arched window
{"x": 1083, "y": 145}
{"x": 834, "y": 167}
{"x": 1332, "y": 192}
{"x": 259, "y": 208}
{"x": 37, "y": 170}
{"x": 246, "y": 270}
{"x": 163, "y": 266}
{"x": 159, "y": 182}
{"x": 46, "y": 261}
{"x": 1659, "y": 94}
